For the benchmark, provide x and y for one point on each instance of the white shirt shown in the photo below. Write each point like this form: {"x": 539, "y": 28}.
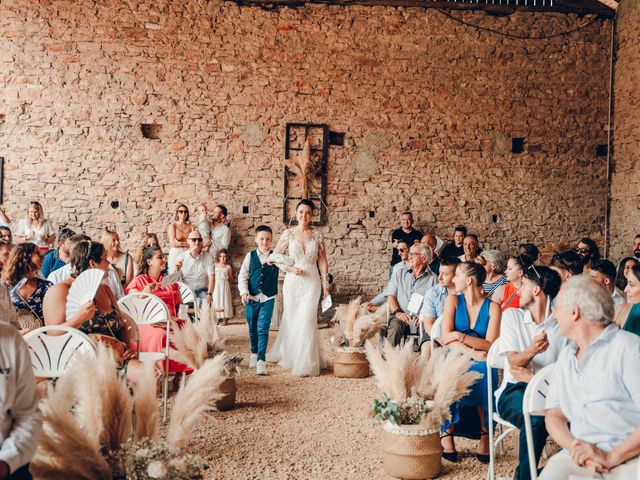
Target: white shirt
{"x": 20, "y": 421}
{"x": 196, "y": 270}
{"x": 33, "y": 233}
{"x": 618, "y": 297}
{"x": 220, "y": 237}
{"x": 600, "y": 396}
{"x": 243, "y": 277}
{"x": 517, "y": 331}
{"x": 204, "y": 226}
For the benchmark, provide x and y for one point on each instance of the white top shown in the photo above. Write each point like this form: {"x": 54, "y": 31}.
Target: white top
{"x": 112, "y": 280}
{"x": 196, "y": 270}
{"x": 220, "y": 237}
{"x": 618, "y": 297}
{"x": 243, "y": 277}
{"x": 204, "y": 226}
{"x": 517, "y": 331}
{"x": 601, "y": 395}
{"x": 20, "y": 422}
{"x": 33, "y": 233}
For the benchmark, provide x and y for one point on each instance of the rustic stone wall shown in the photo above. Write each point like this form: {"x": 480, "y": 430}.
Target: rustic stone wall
{"x": 625, "y": 184}
{"x": 428, "y": 108}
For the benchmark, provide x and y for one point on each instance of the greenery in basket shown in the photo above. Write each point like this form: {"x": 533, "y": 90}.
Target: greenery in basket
{"x": 354, "y": 325}
{"x": 407, "y": 412}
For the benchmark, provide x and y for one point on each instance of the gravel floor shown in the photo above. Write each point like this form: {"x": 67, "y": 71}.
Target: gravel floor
{"x": 284, "y": 427}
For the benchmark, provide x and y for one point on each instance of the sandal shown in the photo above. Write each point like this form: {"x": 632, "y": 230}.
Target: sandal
{"x": 483, "y": 458}
{"x": 451, "y": 456}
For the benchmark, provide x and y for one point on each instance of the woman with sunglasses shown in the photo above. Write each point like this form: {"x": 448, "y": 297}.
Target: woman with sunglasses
{"x": 178, "y": 233}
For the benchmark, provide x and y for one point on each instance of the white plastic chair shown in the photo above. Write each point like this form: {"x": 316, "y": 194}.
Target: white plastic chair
{"x": 436, "y": 332}
{"x": 51, "y": 355}
{"x": 533, "y": 403}
{"x": 147, "y": 309}
{"x": 495, "y": 360}
{"x": 188, "y": 296}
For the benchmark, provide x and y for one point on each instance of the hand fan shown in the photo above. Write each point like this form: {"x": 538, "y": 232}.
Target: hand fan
{"x": 83, "y": 290}
{"x": 172, "y": 278}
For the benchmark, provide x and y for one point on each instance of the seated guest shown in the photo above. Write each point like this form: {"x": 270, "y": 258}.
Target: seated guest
{"x": 148, "y": 240}
{"x": 529, "y": 340}
{"x": 150, "y": 280}
{"x": 433, "y": 303}
{"x": 404, "y": 283}
{"x": 470, "y": 322}
{"x": 624, "y": 267}
{"x": 5, "y": 250}
{"x": 567, "y": 264}
{"x": 589, "y": 251}
{"x": 197, "y": 267}
{"x": 593, "y": 402}
{"x": 530, "y": 250}
{"x": 628, "y": 314}
{"x": 431, "y": 241}
{"x": 28, "y": 290}
{"x": 35, "y": 228}
{"x": 636, "y": 246}
{"x": 119, "y": 260}
{"x": 471, "y": 247}
{"x": 455, "y": 248}
{"x": 508, "y": 295}
{"x": 494, "y": 263}
{"x": 5, "y": 234}
{"x": 403, "y": 251}
{"x": 20, "y": 420}
{"x": 58, "y": 257}
{"x": 405, "y": 233}
{"x": 604, "y": 272}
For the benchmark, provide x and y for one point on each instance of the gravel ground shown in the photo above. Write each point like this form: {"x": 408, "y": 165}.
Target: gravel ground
{"x": 284, "y": 427}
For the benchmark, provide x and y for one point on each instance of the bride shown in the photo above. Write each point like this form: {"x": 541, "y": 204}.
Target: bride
{"x": 298, "y": 344}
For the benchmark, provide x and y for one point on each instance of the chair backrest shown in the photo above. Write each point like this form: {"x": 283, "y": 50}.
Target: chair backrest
{"x": 436, "y": 330}
{"x": 51, "y": 355}
{"x": 535, "y": 395}
{"x": 144, "y": 308}
{"x": 187, "y": 294}
{"x": 494, "y": 359}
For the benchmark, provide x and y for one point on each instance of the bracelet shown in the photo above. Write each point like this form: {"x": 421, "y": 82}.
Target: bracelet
{"x": 209, "y": 293}
{"x": 325, "y": 281}
{"x": 396, "y": 311}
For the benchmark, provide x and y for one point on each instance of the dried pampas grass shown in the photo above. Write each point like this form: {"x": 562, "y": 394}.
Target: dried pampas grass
{"x": 368, "y": 326}
{"x": 305, "y": 166}
{"x": 355, "y": 325}
{"x": 396, "y": 369}
{"x": 193, "y": 343}
{"x": 196, "y": 398}
{"x": 147, "y": 418}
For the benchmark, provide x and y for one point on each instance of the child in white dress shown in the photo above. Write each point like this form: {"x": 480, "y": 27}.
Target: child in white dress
{"x": 222, "y": 303}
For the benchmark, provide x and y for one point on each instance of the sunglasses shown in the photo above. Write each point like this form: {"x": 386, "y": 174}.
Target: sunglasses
{"x": 195, "y": 239}
{"x": 182, "y": 211}
{"x": 582, "y": 250}
{"x": 402, "y": 249}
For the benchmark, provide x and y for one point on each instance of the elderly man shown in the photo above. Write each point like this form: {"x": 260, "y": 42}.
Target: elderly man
{"x": 403, "y": 250}
{"x": 20, "y": 422}
{"x": 593, "y": 402}
{"x": 197, "y": 267}
{"x": 405, "y": 283}
{"x": 431, "y": 241}
{"x": 471, "y": 247}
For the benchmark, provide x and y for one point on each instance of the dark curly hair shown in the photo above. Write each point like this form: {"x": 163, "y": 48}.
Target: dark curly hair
{"x": 19, "y": 264}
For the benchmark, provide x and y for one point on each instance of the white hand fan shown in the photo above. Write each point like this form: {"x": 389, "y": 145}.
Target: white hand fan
{"x": 83, "y": 290}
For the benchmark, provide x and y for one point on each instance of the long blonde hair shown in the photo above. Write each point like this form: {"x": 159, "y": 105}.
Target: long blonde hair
{"x": 38, "y": 207}
{"x": 108, "y": 236}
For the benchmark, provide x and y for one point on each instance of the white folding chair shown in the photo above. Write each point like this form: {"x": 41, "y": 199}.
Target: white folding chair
{"x": 436, "y": 332}
{"x": 533, "y": 403}
{"x": 51, "y": 355}
{"x": 495, "y": 360}
{"x": 188, "y": 296}
{"x": 147, "y": 309}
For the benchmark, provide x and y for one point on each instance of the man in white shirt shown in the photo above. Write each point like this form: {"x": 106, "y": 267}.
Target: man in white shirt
{"x": 220, "y": 233}
{"x": 20, "y": 422}
{"x": 530, "y": 340}
{"x": 197, "y": 267}
{"x": 604, "y": 272}
{"x": 593, "y": 401}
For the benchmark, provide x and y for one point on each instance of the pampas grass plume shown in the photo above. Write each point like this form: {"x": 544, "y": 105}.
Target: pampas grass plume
{"x": 147, "y": 418}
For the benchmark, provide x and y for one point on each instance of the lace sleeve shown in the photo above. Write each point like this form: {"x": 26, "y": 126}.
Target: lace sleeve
{"x": 320, "y": 239}
{"x": 283, "y": 243}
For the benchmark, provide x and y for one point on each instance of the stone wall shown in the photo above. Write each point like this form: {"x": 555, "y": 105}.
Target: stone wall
{"x": 625, "y": 184}
{"x": 428, "y": 107}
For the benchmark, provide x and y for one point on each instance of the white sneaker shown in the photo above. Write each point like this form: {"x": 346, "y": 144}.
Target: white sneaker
{"x": 261, "y": 368}
{"x": 253, "y": 360}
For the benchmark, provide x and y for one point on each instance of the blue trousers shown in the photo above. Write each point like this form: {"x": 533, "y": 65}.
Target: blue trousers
{"x": 259, "y": 319}
{"x": 510, "y": 408}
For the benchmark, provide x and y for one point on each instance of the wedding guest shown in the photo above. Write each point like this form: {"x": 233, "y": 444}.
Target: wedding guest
{"x": 222, "y": 302}
{"x": 636, "y": 246}
{"x": 59, "y": 256}
{"x": 624, "y": 267}
{"x": 197, "y": 268}
{"x": 471, "y": 322}
{"x": 431, "y": 241}
{"x": 405, "y": 233}
{"x": 529, "y": 339}
{"x": 177, "y": 233}
{"x": 5, "y": 250}
{"x": 604, "y": 272}
{"x": 62, "y": 273}
{"x": 530, "y": 250}
{"x": 494, "y": 263}
{"x": 220, "y": 232}
{"x": 589, "y": 251}
{"x": 627, "y": 315}
{"x": 121, "y": 261}
{"x": 204, "y": 226}
{"x": 567, "y": 264}
{"x": 5, "y": 234}
{"x": 471, "y": 247}
{"x": 455, "y": 248}
{"x": 403, "y": 251}
{"x": 148, "y": 240}
{"x": 35, "y": 228}
{"x": 508, "y": 295}
{"x": 28, "y": 290}
{"x": 593, "y": 401}
{"x": 20, "y": 420}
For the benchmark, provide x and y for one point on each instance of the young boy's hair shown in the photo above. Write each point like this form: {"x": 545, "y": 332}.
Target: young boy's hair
{"x": 263, "y": 228}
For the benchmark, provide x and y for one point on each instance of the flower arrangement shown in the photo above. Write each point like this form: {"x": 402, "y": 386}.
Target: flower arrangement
{"x": 354, "y": 325}
{"x": 417, "y": 389}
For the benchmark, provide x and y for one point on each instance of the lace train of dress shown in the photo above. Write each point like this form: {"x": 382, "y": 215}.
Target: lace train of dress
{"x": 297, "y": 347}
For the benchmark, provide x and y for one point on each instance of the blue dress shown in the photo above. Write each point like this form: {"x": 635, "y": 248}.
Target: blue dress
{"x": 463, "y": 413}
{"x": 33, "y": 304}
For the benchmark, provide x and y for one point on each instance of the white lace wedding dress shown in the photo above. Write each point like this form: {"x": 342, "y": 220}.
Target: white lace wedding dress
{"x": 297, "y": 347}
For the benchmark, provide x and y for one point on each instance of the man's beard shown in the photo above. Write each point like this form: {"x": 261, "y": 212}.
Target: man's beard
{"x": 636, "y": 253}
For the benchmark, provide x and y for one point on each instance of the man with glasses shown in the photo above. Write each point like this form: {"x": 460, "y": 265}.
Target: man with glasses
{"x": 403, "y": 285}
{"x": 197, "y": 267}
{"x": 588, "y": 251}
{"x": 403, "y": 251}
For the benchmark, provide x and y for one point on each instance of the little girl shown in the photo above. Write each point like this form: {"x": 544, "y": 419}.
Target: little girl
{"x": 222, "y": 303}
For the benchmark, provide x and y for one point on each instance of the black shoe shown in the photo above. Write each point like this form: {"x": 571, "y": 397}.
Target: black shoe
{"x": 451, "y": 456}
{"x": 483, "y": 458}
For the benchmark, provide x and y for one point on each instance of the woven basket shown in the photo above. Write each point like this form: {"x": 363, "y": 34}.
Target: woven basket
{"x": 351, "y": 363}
{"x": 411, "y": 452}
{"x": 229, "y": 389}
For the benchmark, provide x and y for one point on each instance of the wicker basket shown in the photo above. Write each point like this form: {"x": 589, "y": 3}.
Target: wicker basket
{"x": 411, "y": 451}
{"x": 229, "y": 389}
{"x": 351, "y": 363}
